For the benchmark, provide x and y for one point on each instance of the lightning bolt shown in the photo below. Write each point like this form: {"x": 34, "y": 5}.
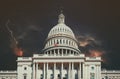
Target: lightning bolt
{"x": 11, "y": 33}
{"x": 14, "y": 43}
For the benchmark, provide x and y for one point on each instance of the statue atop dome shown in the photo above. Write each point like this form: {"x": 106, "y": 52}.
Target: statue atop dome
{"x": 61, "y": 18}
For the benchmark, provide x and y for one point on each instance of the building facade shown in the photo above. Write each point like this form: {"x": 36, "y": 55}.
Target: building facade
{"x": 60, "y": 59}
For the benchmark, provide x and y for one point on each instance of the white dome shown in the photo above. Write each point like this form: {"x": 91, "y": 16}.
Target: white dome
{"x": 61, "y": 30}
{"x": 61, "y": 38}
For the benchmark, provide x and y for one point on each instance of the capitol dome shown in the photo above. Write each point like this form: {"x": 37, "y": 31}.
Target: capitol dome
{"x": 61, "y": 29}
{"x": 61, "y": 39}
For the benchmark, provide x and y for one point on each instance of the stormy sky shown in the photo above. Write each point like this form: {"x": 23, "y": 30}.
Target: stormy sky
{"x": 95, "y": 23}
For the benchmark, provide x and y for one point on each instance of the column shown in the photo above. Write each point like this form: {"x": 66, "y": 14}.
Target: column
{"x": 54, "y": 69}
{"x": 58, "y": 51}
{"x": 88, "y": 73}
{"x": 34, "y": 77}
{"x": 62, "y": 52}
{"x": 50, "y": 52}
{"x": 70, "y": 52}
{"x": 33, "y": 71}
{"x": 72, "y": 70}
{"x": 54, "y": 52}
{"x": 69, "y": 71}
{"x": 66, "y": 51}
{"x": 62, "y": 70}
{"x": 99, "y": 67}
{"x": 36, "y": 70}
{"x": 96, "y": 72}
{"x": 83, "y": 70}
{"x": 43, "y": 70}
{"x": 47, "y": 70}
{"x": 79, "y": 71}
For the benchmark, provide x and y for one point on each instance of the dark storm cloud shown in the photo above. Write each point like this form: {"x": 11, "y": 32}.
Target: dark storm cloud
{"x": 88, "y": 40}
{"x": 30, "y": 28}
{"x": 32, "y": 20}
{"x": 92, "y": 47}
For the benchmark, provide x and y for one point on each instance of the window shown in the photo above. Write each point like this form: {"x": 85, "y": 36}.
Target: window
{"x": 51, "y": 77}
{"x": 76, "y": 76}
{"x": 25, "y": 68}
{"x": 25, "y": 77}
{"x": 65, "y": 76}
{"x": 66, "y": 41}
{"x": 106, "y": 77}
{"x": 57, "y": 42}
{"x": 38, "y": 66}
{"x": 92, "y": 68}
{"x": 58, "y": 75}
{"x": 60, "y": 41}
{"x": 92, "y": 75}
{"x": 41, "y": 76}
{"x": 60, "y": 51}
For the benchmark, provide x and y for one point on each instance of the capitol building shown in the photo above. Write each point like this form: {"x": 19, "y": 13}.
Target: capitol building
{"x": 60, "y": 59}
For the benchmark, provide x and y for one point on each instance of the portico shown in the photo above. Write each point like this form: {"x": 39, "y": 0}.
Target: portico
{"x": 58, "y": 70}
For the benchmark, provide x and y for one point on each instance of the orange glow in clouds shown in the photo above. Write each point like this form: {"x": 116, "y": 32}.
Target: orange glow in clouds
{"x": 18, "y": 51}
{"x": 95, "y": 53}
{"x": 14, "y": 43}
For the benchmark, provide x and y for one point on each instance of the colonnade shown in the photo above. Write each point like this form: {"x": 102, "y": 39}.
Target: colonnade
{"x": 61, "y": 52}
{"x": 70, "y": 70}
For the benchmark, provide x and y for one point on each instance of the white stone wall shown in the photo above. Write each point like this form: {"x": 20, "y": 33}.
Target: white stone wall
{"x": 92, "y": 68}
{"x": 110, "y": 74}
{"x": 8, "y": 75}
{"x": 24, "y": 68}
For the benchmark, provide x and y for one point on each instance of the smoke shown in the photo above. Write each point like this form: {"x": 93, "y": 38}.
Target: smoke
{"x": 27, "y": 30}
{"x": 13, "y": 42}
{"x": 87, "y": 40}
{"x": 92, "y": 47}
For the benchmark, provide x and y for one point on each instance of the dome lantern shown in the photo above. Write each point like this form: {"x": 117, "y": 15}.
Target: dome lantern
{"x": 61, "y": 18}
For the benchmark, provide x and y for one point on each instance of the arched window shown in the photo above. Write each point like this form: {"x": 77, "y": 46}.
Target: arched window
{"x": 92, "y": 68}
{"x": 92, "y": 76}
{"x": 25, "y": 68}
{"x": 64, "y": 51}
{"x": 69, "y": 42}
{"x": 71, "y": 52}
{"x": 54, "y": 41}
{"x": 25, "y": 77}
{"x": 60, "y": 51}
{"x": 38, "y": 66}
{"x": 57, "y": 41}
{"x": 60, "y": 41}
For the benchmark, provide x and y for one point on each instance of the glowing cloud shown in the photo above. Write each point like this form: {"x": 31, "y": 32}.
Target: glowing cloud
{"x": 92, "y": 47}
{"x": 14, "y": 43}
